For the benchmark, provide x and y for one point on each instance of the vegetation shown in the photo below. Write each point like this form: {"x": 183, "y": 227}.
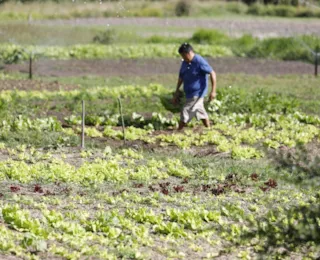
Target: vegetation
{"x": 235, "y": 183}
{"x": 283, "y": 11}
{"x": 29, "y": 10}
{"x": 247, "y": 188}
{"x": 10, "y": 53}
{"x": 153, "y": 207}
{"x": 209, "y": 43}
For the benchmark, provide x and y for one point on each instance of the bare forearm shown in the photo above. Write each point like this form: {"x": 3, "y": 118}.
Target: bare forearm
{"x": 213, "y": 78}
{"x": 179, "y": 84}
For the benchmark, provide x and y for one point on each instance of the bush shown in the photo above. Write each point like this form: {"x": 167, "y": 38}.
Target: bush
{"x": 164, "y": 40}
{"x": 205, "y": 36}
{"x": 306, "y": 12}
{"x": 149, "y": 12}
{"x": 285, "y": 48}
{"x": 282, "y": 11}
{"x": 106, "y": 37}
{"x": 237, "y": 8}
{"x": 257, "y": 9}
{"x": 273, "y": 2}
{"x": 183, "y": 8}
{"x": 249, "y": 2}
{"x": 272, "y": 10}
{"x": 243, "y": 45}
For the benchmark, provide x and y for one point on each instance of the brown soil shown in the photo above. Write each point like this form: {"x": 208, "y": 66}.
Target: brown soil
{"x": 144, "y": 67}
{"x": 33, "y": 85}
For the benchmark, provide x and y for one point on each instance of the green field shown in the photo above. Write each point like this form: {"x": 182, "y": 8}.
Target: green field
{"x": 246, "y": 188}
{"x": 162, "y": 194}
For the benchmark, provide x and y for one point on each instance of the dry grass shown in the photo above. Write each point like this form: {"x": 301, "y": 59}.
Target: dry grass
{"x": 122, "y": 8}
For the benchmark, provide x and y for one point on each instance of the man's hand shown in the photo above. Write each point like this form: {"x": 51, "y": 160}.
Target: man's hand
{"x": 175, "y": 99}
{"x": 212, "y": 96}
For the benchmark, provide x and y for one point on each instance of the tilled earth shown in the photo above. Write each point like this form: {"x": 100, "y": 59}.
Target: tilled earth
{"x": 144, "y": 67}
{"x": 26, "y": 85}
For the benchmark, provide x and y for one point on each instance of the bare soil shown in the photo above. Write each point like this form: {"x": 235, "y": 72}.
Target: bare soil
{"x": 26, "y": 85}
{"x": 144, "y": 67}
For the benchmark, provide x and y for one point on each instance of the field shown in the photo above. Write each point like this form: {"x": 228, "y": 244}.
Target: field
{"x": 247, "y": 188}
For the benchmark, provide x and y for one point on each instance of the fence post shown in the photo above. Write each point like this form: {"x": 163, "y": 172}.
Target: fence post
{"x": 316, "y": 62}
{"x": 30, "y": 66}
{"x": 122, "y": 121}
{"x": 83, "y": 125}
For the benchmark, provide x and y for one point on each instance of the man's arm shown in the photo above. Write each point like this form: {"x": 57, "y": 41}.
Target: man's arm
{"x": 213, "y": 78}
{"x": 176, "y": 94}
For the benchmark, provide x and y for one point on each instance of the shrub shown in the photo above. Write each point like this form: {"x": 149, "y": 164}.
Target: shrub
{"x": 257, "y": 9}
{"x": 156, "y": 39}
{"x": 164, "y": 40}
{"x": 106, "y": 37}
{"x": 273, "y": 2}
{"x": 249, "y": 2}
{"x": 284, "y": 11}
{"x": 272, "y": 10}
{"x": 306, "y": 12}
{"x": 243, "y": 45}
{"x": 183, "y": 8}
{"x": 149, "y": 12}
{"x": 285, "y": 48}
{"x": 238, "y": 8}
{"x": 205, "y": 36}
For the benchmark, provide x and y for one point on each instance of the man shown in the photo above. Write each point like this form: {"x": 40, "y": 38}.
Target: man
{"x": 193, "y": 74}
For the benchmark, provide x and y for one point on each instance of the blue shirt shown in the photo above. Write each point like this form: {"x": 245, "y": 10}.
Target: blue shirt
{"x": 194, "y": 76}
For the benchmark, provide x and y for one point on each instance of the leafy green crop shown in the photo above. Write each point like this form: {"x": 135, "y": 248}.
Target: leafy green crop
{"x": 15, "y": 53}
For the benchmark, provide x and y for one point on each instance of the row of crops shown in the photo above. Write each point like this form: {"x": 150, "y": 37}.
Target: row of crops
{"x": 242, "y": 129}
{"x": 113, "y": 203}
{"x": 148, "y": 207}
{"x": 212, "y": 46}
{"x": 15, "y": 53}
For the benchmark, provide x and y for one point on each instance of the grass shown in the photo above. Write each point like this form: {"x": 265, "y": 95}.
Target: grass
{"x": 68, "y": 10}
{"x": 35, "y": 34}
{"x": 21, "y": 33}
{"x": 51, "y": 10}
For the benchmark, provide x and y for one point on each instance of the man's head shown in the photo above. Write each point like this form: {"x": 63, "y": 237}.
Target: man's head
{"x": 186, "y": 52}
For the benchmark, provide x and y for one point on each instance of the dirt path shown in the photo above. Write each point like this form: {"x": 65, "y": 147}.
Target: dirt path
{"x": 144, "y": 67}
{"x": 260, "y": 27}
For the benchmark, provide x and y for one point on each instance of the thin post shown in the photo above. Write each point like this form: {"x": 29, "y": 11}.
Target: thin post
{"x": 316, "y": 63}
{"x": 83, "y": 125}
{"x": 30, "y": 67}
{"x": 122, "y": 121}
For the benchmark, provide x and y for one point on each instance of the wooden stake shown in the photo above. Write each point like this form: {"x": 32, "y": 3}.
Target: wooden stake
{"x": 316, "y": 63}
{"x": 122, "y": 121}
{"x": 83, "y": 125}
{"x": 30, "y": 67}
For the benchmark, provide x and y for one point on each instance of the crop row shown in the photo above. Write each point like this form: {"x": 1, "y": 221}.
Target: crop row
{"x": 10, "y": 53}
{"x": 130, "y": 224}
